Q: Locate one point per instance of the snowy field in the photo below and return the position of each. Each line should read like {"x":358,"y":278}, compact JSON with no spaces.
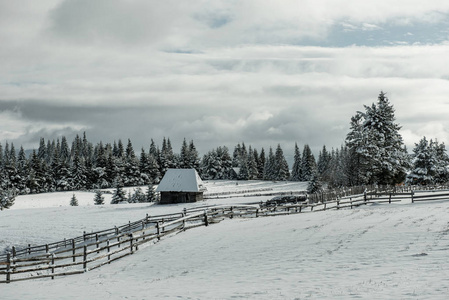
{"x":379,"y":251}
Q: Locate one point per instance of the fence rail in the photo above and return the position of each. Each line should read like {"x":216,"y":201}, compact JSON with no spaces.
{"x":95,"y":249}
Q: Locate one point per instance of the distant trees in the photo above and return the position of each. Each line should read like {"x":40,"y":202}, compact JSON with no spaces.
{"x":373,"y":152}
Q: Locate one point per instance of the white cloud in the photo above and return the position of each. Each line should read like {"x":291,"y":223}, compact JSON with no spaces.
{"x":219,"y":71}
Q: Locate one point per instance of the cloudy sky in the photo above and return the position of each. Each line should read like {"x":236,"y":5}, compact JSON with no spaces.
{"x":220,"y":72}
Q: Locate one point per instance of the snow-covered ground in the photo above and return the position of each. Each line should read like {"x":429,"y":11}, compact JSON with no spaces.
{"x":379,"y":251}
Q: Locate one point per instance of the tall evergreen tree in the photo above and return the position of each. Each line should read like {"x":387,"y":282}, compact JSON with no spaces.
{"x":375,"y":139}
{"x":281,"y":171}
{"x":308,"y":164}
{"x":151,"y":194}
{"x":296,"y":170}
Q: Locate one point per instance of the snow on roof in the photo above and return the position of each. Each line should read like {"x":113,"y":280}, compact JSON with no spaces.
{"x":181,"y":180}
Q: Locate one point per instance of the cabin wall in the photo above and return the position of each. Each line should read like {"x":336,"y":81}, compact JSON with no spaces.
{"x":180,"y":197}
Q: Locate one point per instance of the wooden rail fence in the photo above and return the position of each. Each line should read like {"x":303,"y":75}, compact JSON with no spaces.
{"x":95,"y":249}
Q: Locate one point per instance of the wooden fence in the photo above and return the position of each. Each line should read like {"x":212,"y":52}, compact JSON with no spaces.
{"x":93,"y":250}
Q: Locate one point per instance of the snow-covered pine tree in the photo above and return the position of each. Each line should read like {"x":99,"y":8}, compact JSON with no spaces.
{"x":131,"y":167}
{"x":281,"y":171}
{"x":99,"y":198}
{"x":429,"y":161}
{"x":261,"y":164}
{"x":6,"y":199}
{"x":150,"y":195}
{"x":73,"y":201}
{"x":314,"y":184}
{"x":269,"y":169}
{"x":184,"y":160}
{"x":308,"y":164}
{"x":243,"y":173}
{"x":442,"y":162}
{"x":296,"y":170}
{"x":252,"y":164}
{"x":119,"y":195}
{"x":375,"y":139}
{"x":138,"y":196}
{"x":323,"y":164}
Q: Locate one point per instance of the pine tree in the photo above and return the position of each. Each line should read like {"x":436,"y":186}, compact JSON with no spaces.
{"x":308,"y":164}
{"x":430,"y":162}
{"x":119,"y":195}
{"x":314,"y":185}
{"x":138,"y":196}
{"x":150,"y":194}
{"x":442,"y":162}
{"x":261,"y":164}
{"x":73,"y":201}
{"x":99,"y":198}
{"x":6,"y":199}
{"x":269,"y":169}
{"x":323,"y":164}
{"x":296,"y":170}
{"x":375,"y":140}
{"x":281,"y":171}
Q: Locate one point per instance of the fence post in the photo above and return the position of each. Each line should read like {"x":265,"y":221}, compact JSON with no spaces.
{"x":338,"y":204}
{"x":364,"y":196}
{"x":257,"y":213}
{"x":130,"y":243}
{"x":232,"y":213}
{"x":84,"y":235}
{"x":412,"y":193}
{"x":183,"y":221}
{"x":350,"y":201}
{"x":29,"y":249}
{"x":389,"y":199}
{"x":96,"y":240}
{"x":109,"y":251}
{"x":73,"y":249}
{"x":8,"y":268}
{"x":158,"y":229}
{"x":52,"y":265}
{"x":85,"y":258}
{"x":206,"y":221}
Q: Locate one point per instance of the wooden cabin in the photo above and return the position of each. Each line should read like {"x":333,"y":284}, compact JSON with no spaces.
{"x":181,"y":186}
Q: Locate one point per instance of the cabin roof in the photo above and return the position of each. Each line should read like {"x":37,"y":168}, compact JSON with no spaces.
{"x":181,"y":180}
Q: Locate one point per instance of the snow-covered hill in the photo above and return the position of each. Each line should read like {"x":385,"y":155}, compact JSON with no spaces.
{"x":388,"y":251}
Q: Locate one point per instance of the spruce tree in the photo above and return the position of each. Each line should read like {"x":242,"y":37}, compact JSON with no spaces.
{"x":281,"y":171}
{"x":296,"y":170}
{"x":375,"y":140}
{"x":73,"y":201}
{"x":99,"y":198}
{"x":314,"y":185}
{"x":6,"y":199}
{"x":119,"y":195}
{"x":151,"y":194}
{"x":308,"y":164}
{"x":138,"y":196}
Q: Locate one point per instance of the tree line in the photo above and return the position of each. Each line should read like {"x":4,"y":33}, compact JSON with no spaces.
{"x":373,"y":152}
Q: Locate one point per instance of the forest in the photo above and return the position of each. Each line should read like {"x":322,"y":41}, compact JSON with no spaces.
{"x":373,"y":152}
